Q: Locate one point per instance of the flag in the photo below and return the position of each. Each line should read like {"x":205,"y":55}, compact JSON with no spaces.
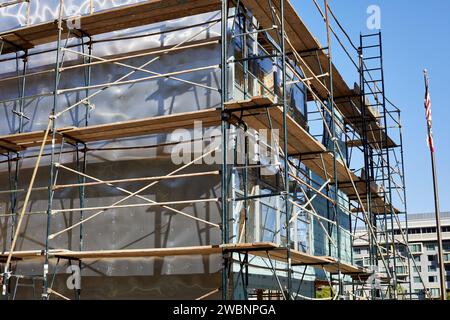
{"x":428,"y":114}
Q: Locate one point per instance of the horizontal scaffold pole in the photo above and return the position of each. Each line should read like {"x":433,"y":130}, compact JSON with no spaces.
{"x":166,"y":203}
{"x":157,"y":178}
{"x":119,"y":83}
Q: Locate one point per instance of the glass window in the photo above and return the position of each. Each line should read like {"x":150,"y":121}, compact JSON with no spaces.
{"x":357,"y":250}
{"x":262,"y":71}
{"x":431,"y":247}
{"x":417,"y":258}
{"x":417,"y":280}
{"x":414,"y":231}
{"x":268,"y":223}
{"x":432,"y":268}
{"x":303,"y":233}
{"x":447,"y":257}
{"x":446,"y":245}
{"x":432,"y":279}
{"x":417,"y":269}
{"x":432,"y":257}
{"x":415,"y":248}
{"x":401,"y":270}
{"x":252,"y":77}
{"x":296,"y":97}
{"x":434,"y":292}
{"x":429,"y":230}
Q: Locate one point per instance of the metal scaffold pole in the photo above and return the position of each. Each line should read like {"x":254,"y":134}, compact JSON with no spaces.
{"x":21,"y":114}
{"x":52,"y":126}
{"x":224,"y":127}
{"x":334,"y":141}
{"x":286,"y":151}
{"x":372,"y":239}
{"x":385,"y":145}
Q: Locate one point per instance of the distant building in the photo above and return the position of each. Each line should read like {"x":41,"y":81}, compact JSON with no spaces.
{"x":424,"y":267}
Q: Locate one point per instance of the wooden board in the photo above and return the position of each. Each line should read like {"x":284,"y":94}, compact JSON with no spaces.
{"x":29,"y":254}
{"x":268,"y":249}
{"x":299,"y":258}
{"x":125,"y":129}
{"x":261,"y":249}
{"x":141,"y":127}
{"x":148,"y":252}
{"x":123,"y":17}
{"x":22,"y":141}
{"x":116,"y":254}
{"x":344,"y":268}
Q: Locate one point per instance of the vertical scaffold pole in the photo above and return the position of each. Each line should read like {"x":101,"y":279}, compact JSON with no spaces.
{"x":82,"y":163}
{"x":389,"y":173}
{"x":21,"y":115}
{"x":45,"y":295}
{"x":373,"y":253}
{"x":22,"y":92}
{"x":334,"y":142}
{"x":286,"y":152}
{"x":224,"y":124}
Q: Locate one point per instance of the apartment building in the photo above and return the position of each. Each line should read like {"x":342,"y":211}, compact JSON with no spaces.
{"x":424,"y":266}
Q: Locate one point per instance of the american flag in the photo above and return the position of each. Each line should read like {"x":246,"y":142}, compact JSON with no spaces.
{"x":428,"y":113}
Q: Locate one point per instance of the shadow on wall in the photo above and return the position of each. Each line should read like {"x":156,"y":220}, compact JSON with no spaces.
{"x":122,"y":228}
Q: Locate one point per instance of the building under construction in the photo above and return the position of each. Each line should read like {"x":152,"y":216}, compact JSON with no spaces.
{"x":194,"y":149}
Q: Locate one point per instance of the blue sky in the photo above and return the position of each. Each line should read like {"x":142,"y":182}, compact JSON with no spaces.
{"x":416,"y":35}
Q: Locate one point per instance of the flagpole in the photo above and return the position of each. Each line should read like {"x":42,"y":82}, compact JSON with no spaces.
{"x":436,"y":199}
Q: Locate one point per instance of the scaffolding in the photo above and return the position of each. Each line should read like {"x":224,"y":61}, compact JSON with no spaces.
{"x":309,"y":167}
